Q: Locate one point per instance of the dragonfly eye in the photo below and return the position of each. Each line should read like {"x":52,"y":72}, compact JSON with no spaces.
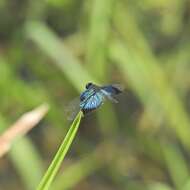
{"x":88,"y":85}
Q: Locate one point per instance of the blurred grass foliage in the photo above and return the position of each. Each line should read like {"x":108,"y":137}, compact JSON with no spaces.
{"x":50,"y":49}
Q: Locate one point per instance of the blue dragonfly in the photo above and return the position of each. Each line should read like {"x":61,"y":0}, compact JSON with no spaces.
{"x":93,"y":97}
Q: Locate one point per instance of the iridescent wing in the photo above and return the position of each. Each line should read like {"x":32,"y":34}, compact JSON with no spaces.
{"x":92,"y":103}
{"x":72,"y":109}
{"x":113,"y":89}
{"x":87,"y":93}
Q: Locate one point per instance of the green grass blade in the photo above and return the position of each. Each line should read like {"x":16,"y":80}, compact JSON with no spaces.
{"x":149,"y":80}
{"x":158,"y":186}
{"x":176,"y":164}
{"x":56,"y":163}
{"x":79,"y":171}
{"x":51,"y":45}
{"x":186,"y":186}
{"x":97,"y":42}
{"x":30,"y":176}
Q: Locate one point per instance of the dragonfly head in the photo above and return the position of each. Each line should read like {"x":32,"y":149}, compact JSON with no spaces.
{"x":88,"y":85}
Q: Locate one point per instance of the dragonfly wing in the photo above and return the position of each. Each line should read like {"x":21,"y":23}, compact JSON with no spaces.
{"x":108,"y":96}
{"x":112,"y":99}
{"x":84,"y":95}
{"x":92,"y":103}
{"x":120,"y":87}
{"x":110,"y":91}
{"x":113,"y":89}
{"x":72,"y":109}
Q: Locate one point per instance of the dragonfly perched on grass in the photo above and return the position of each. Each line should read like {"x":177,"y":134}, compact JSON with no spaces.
{"x":93,"y":97}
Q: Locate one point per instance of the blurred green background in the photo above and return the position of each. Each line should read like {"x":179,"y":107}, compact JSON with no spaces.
{"x":50,"y":49}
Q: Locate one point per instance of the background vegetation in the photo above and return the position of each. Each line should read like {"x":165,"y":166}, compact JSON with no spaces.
{"x":50,"y":49}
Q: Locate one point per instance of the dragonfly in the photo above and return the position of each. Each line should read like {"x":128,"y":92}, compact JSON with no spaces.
{"x":93,"y":97}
